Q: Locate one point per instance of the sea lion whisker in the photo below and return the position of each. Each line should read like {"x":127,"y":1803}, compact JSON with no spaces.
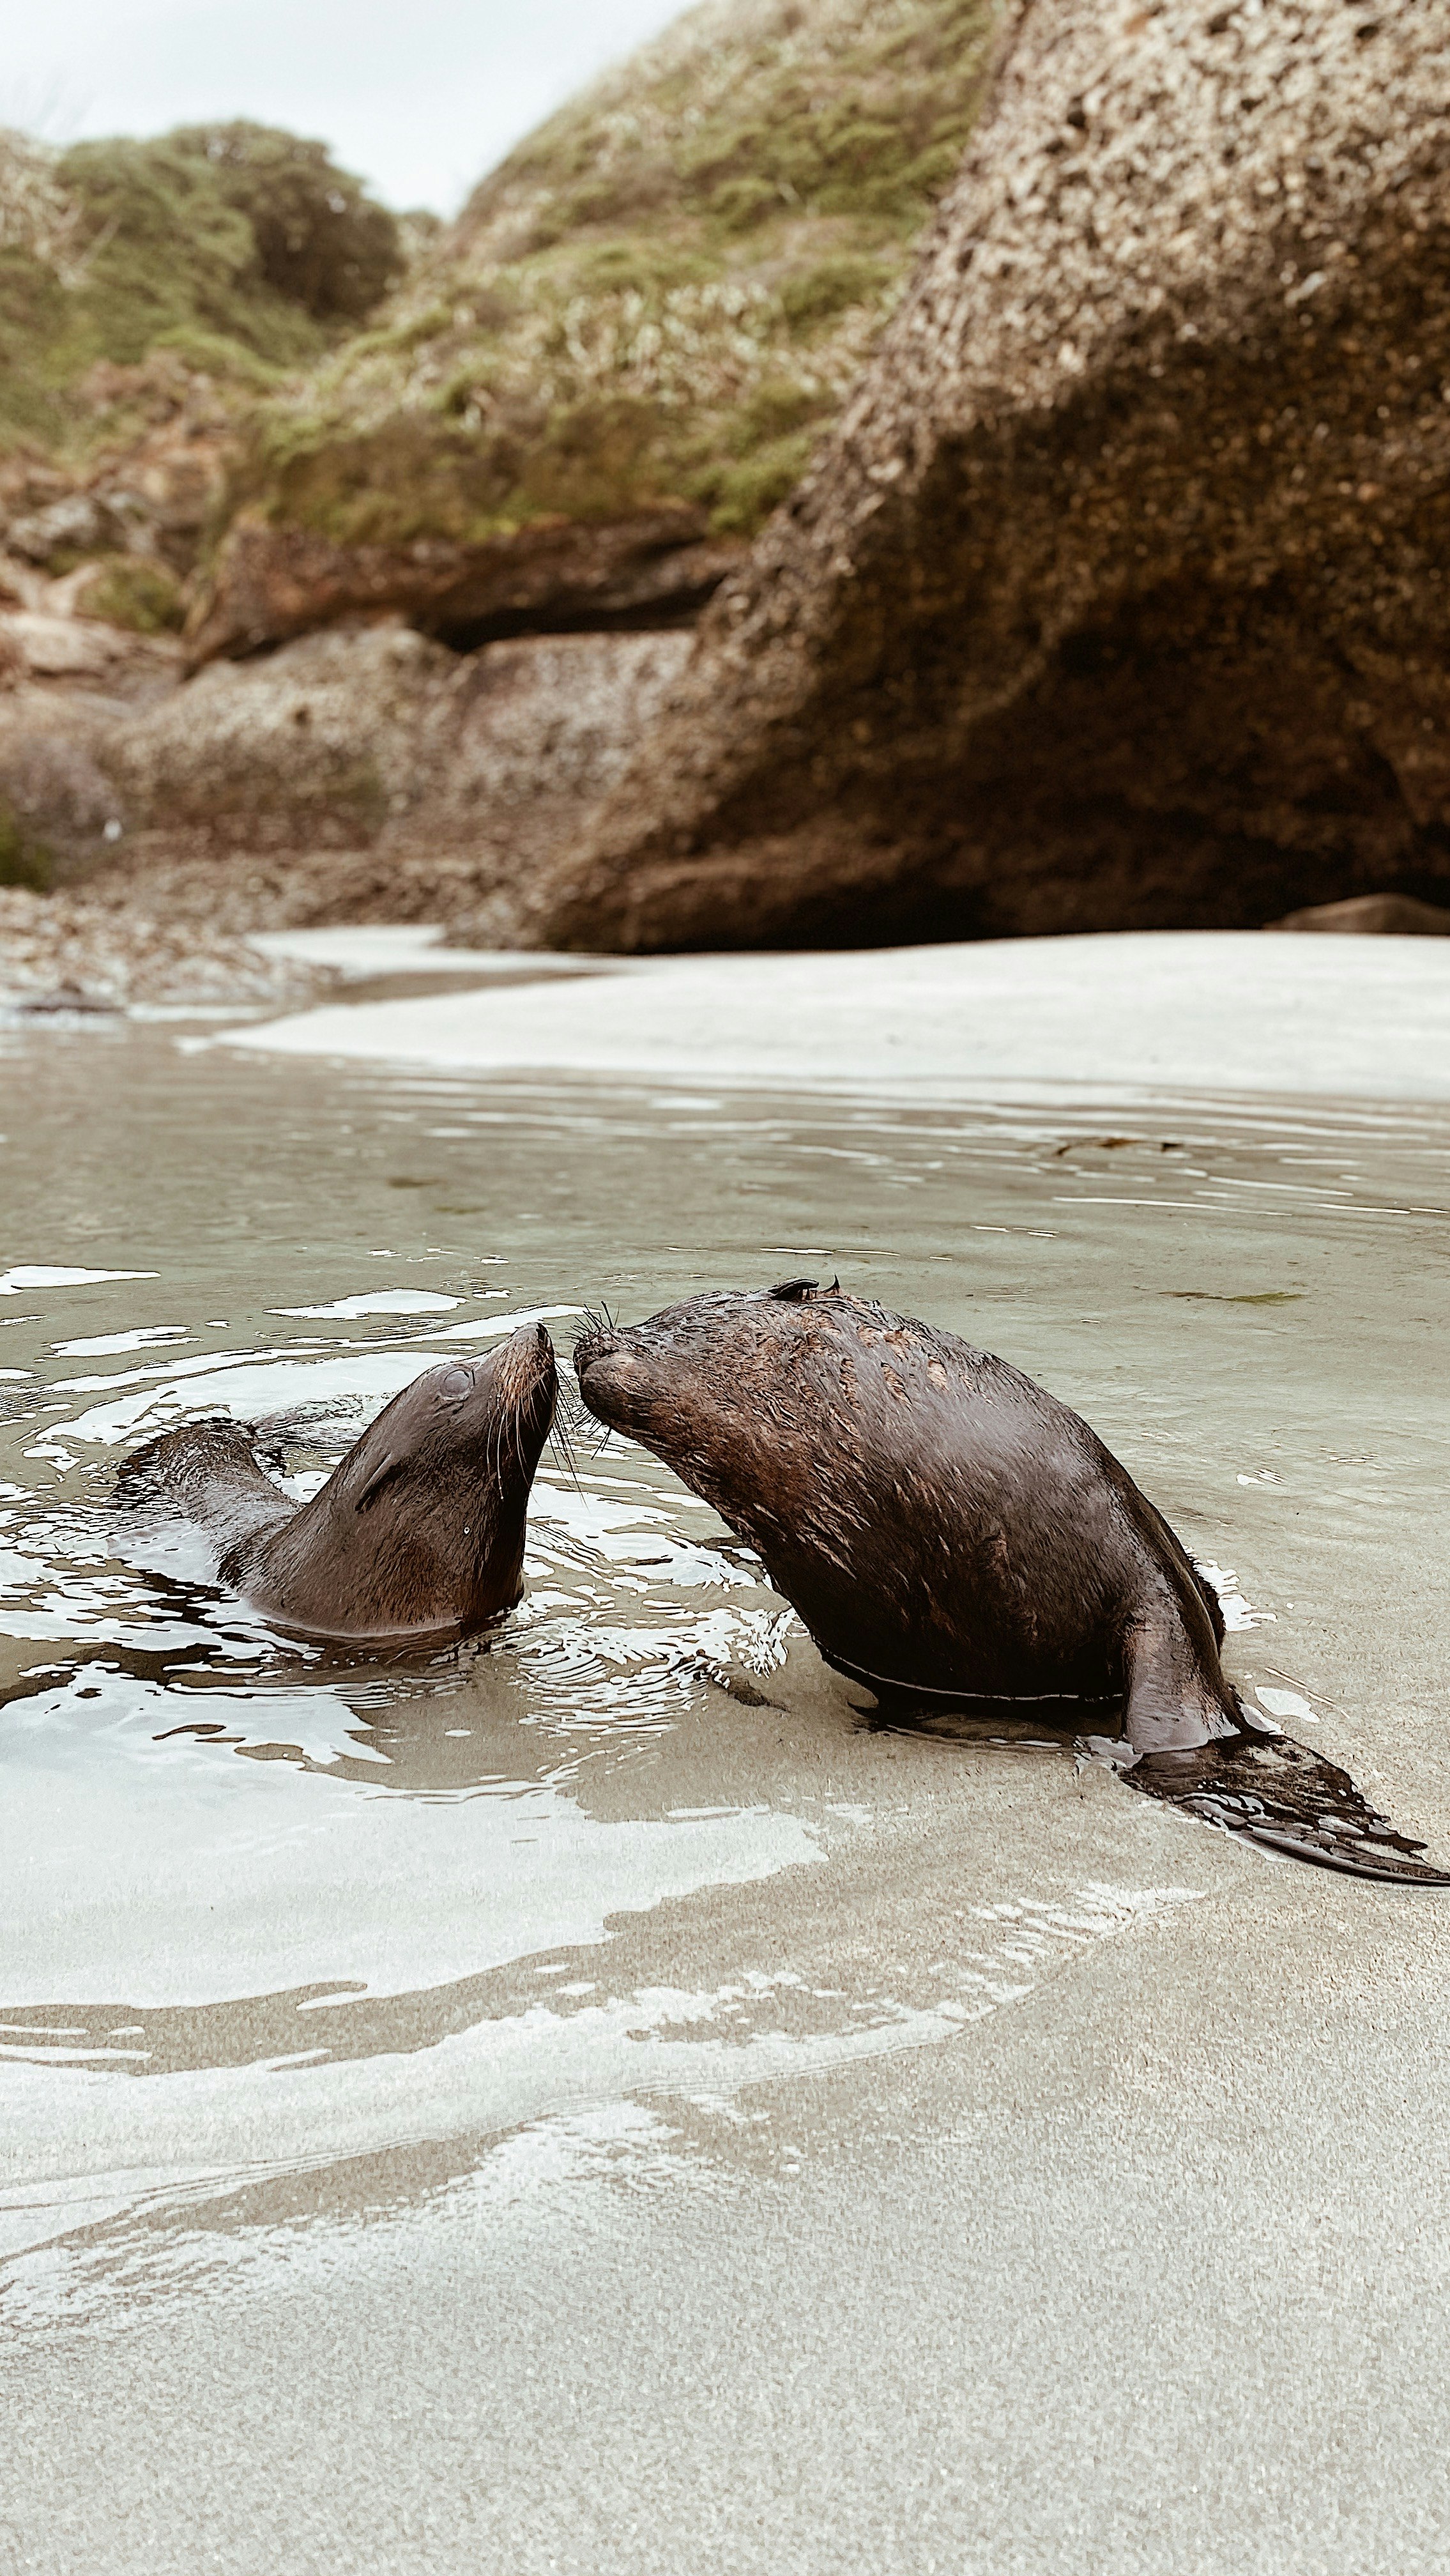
{"x":493,"y":1450}
{"x":571,"y":1414}
{"x":561,"y":1441}
{"x":598,"y":1324}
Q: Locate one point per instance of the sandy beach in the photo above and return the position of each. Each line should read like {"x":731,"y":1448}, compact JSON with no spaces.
{"x":656,"y":661}
{"x":1345,"y":1018}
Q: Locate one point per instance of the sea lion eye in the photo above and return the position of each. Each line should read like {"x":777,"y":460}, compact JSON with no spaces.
{"x":454,"y":1385}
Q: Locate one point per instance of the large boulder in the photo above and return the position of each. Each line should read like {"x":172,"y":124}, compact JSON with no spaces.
{"x":1118,"y":596}
{"x":1378,"y":916}
{"x":362,"y":773}
{"x":351,"y":735}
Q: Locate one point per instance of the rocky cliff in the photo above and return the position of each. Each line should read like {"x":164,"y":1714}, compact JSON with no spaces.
{"x":358,"y":774}
{"x":567,"y":420}
{"x":1118,"y":595}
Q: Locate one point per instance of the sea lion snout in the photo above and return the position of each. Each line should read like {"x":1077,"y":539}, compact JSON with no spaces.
{"x":605,"y":1367}
{"x":525,"y":1370}
{"x":596,"y":1341}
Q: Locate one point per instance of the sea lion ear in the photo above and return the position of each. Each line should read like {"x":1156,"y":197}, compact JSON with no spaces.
{"x":385,"y":1468}
{"x":793,"y":1292}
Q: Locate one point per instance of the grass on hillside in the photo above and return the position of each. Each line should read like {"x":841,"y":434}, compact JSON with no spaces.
{"x":664,"y":292}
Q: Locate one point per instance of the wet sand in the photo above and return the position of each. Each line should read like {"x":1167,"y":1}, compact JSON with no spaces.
{"x":1351,"y":1018}
{"x":603,"y":2107}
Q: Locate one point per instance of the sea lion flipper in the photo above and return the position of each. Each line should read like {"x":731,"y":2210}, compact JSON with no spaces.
{"x":1173,"y":1703}
{"x":1370,"y":1857}
{"x":1287,"y":1798}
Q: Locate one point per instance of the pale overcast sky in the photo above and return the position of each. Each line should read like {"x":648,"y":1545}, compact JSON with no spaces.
{"x":420,"y":97}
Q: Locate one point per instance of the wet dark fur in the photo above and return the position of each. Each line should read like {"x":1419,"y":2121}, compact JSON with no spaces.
{"x":948,"y":1531}
{"x":419,"y":1528}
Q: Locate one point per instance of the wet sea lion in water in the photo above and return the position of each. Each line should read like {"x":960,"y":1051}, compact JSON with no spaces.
{"x":948,"y":1531}
{"x":418,"y":1530}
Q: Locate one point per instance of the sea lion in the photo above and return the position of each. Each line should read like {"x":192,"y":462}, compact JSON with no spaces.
{"x":418,"y":1531}
{"x":949,"y":1531}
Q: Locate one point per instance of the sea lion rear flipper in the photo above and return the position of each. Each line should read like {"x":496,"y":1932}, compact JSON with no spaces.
{"x":1287,"y":1798}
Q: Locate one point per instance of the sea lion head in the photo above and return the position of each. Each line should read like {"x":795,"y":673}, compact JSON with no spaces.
{"x":421,"y":1526}
{"x":714,"y":1386}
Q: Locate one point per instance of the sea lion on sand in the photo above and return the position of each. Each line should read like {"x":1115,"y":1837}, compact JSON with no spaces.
{"x":419,"y":1529}
{"x":948,"y":1531}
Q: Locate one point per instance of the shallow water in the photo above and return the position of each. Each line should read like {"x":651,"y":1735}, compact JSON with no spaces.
{"x":294,"y":1938}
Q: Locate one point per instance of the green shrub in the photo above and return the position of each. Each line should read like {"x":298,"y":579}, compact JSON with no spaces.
{"x":818,"y":294}
{"x":777,"y":406}
{"x":24,"y":861}
{"x":142,"y":596}
{"x":319,"y":240}
{"x":745,"y":492}
{"x":649,"y":267}
{"x":212,"y":354}
{"x":239,"y":248}
{"x":741,"y":203}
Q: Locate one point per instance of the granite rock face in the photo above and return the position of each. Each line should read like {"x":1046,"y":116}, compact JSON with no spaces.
{"x":1118,"y":596}
{"x":362,"y":773}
